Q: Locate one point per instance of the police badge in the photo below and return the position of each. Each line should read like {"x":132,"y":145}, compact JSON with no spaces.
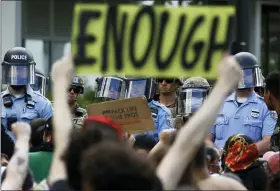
{"x":274,"y":115}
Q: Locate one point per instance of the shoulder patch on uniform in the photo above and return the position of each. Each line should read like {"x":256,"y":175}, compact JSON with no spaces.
{"x":154,"y":110}
{"x":274,"y":115}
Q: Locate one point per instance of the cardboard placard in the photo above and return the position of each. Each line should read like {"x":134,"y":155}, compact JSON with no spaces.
{"x":155,"y":41}
{"x":133,"y":115}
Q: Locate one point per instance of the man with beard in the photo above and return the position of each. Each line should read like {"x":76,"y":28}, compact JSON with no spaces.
{"x":76,"y":88}
{"x":272,"y":100}
{"x":20,"y":102}
{"x":167,"y":91}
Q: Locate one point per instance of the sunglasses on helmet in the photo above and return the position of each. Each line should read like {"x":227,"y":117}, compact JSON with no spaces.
{"x":75,"y":89}
{"x":167,"y":80}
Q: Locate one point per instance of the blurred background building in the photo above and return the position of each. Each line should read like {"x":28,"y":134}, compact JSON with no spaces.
{"x":44,"y":27}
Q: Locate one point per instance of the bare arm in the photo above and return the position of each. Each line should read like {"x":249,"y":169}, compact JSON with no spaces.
{"x":196,"y":130}
{"x":62,"y":121}
{"x":263,"y":145}
{"x":18,"y":165}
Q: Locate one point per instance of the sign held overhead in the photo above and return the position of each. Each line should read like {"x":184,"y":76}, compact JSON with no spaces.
{"x":150,"y":41}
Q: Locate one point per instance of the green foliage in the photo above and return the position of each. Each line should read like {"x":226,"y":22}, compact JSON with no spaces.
{"x":88,"y":98}
{"x":83,"y":100}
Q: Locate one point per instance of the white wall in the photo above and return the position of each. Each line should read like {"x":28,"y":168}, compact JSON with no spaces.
{"x":11,"y":25}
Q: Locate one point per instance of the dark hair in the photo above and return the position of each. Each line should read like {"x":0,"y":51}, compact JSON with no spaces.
{"x":80,"y":140}
{"x":212,"y":152}
{"x":274,"y":182}
{"x":272,"y":84}
{"x":110,"y":166}
{"x":37,"y":131}
{"x":7,"y":144}
{"x":144,"y":141}
{"x":254,"y":177}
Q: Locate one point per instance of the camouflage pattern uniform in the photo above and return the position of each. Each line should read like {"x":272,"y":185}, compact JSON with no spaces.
{"x":193,"y":82}
{"x":275,"y":138}
{"x":78,"y":116}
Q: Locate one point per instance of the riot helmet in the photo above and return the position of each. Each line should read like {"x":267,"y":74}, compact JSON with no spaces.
{"x":18,"y":67}
{"x":137,"y":87}
{"x":41,"y":82}
{"x":111,"y":88}
{"x":191,"y":96}
{"x":252,"y":75}
{"x":77,"y":84}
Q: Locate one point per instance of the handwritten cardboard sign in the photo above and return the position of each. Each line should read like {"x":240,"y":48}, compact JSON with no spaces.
{"x":132,"y":114}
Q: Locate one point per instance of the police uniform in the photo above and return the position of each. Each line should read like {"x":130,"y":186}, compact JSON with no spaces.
{"x":78,"y":116}
{"x":37,"y":107}
{"x":275,"y":138}
{"x":162,"y":118}
{"x":252,"y":118}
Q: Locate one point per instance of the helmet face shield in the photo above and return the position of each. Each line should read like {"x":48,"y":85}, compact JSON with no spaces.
{"x":252,"y":77}
{"x":112,"y":88}
{"x":18,"y":74}
{"x":190,"y":99}
{"x":141,"y":87}
{"x":40,"y":84}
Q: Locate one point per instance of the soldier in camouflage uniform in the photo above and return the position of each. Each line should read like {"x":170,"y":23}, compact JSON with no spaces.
{"x":190,"y":97}
{"x":76,"y":88}
{"x":168,"y":88}
{"x":272,"y":100}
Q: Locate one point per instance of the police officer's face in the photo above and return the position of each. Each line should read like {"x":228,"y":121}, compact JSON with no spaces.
{"x":74,"y":92}
{"x":167,"y":85}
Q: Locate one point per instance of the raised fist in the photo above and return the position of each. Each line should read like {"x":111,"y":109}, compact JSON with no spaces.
{"x":63,"y":68}
{"x":230,"y":72}
{"x":21,"y":129}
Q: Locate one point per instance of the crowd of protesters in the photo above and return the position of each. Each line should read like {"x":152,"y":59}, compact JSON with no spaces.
{"x":58,"y":147}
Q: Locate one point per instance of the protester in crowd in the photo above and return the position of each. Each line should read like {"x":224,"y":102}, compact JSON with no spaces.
{"x":95,"y":129}
{"x":7,"y":144}
{"x":144,"y":144}
{"x":168,"y":88}
{"x":117,"y":168}
{"x":273,"y":162}
{"x":20,"y":102}
{"x":273,"y":183}
{"x":272,"y":100}
{"x":241,"y":158}
{"x":4,"y":159}
{"x":192,"y":134}
{"x":75,"y":89}
{"x":244,"y":111}
{"x":37,"y":133}
{"x":43,"y":157}
{"x":213,"y":159}
{"x":17,"y":168}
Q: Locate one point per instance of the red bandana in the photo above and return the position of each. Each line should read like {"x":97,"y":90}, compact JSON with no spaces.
{"x":240,"y":155}
{"x":105,"y":120}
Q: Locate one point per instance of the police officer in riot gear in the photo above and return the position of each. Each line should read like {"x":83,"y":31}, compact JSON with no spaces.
{"x":190,"y":97}
{"x":244,"y":111}
{"x":116,"y":88}
{"x":78,"y":113}
{"x":20,"y":102}
{"x":162,"y":116}
{"x":40,"y":83}
{"x":111,"y":88}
